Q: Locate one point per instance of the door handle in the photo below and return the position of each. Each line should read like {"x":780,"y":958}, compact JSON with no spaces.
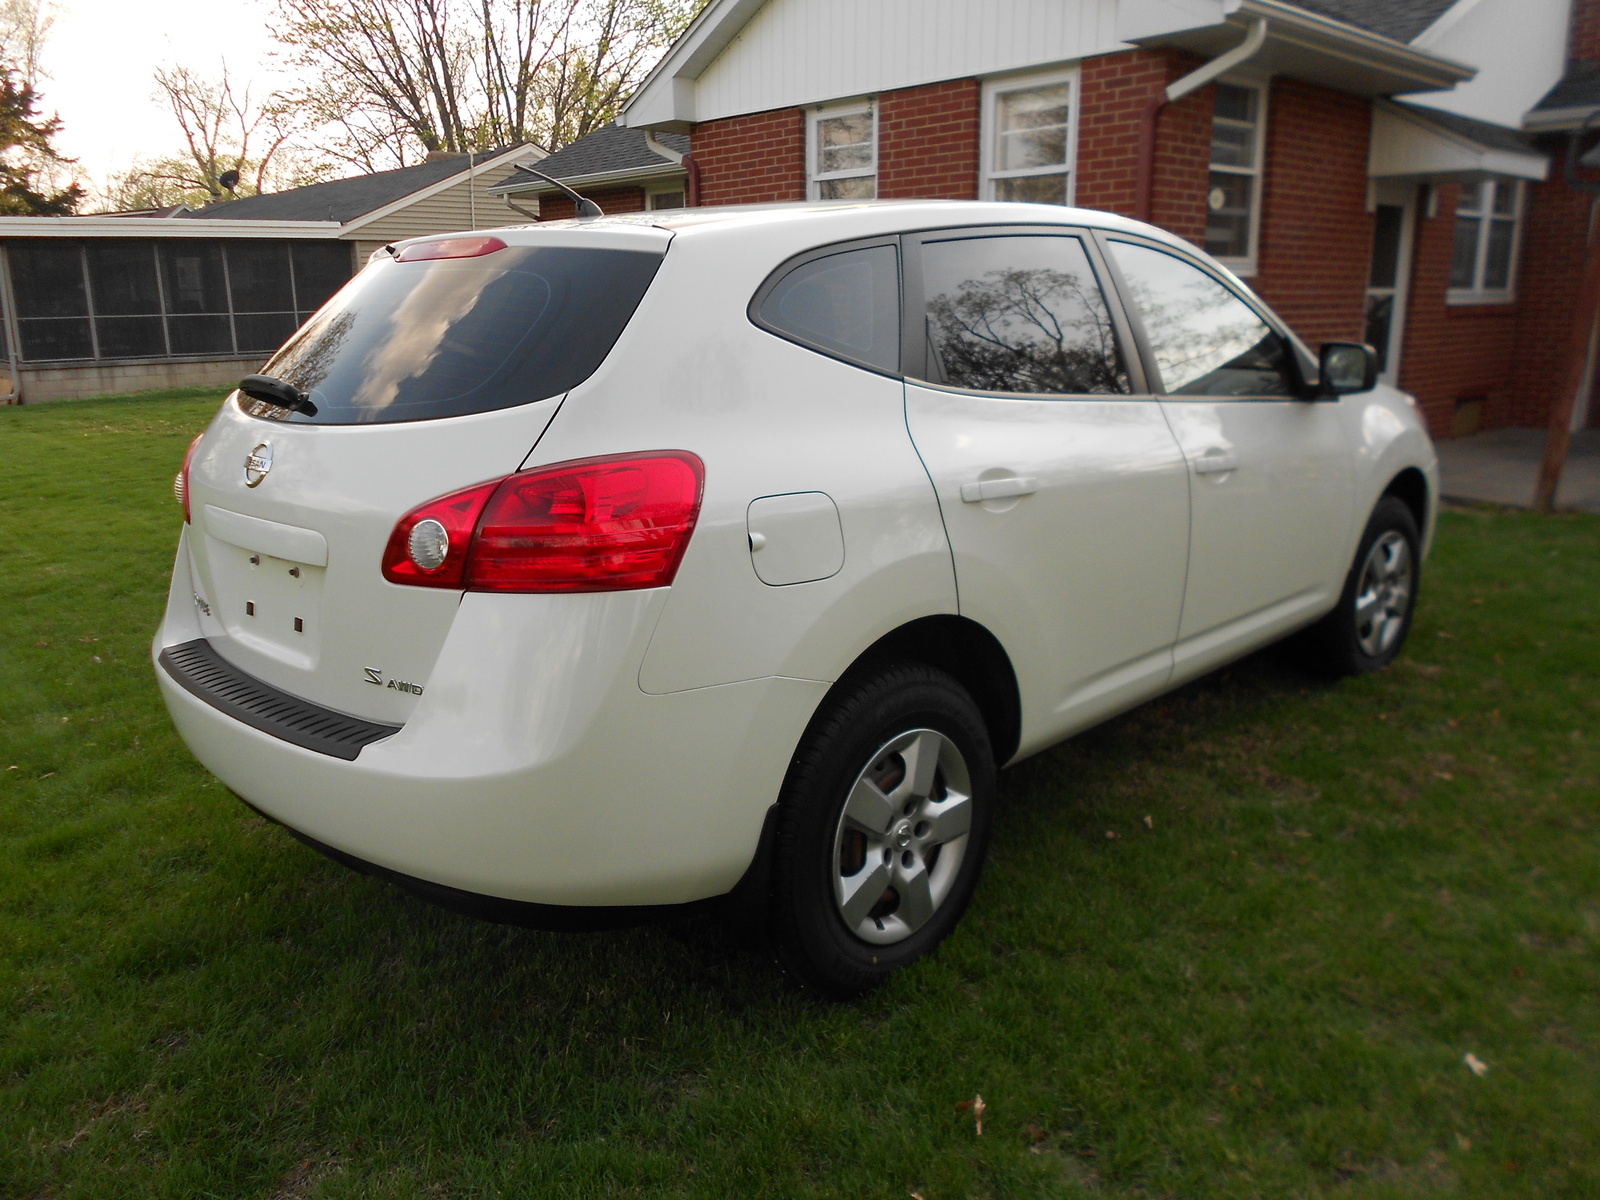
{"x":1214,"y":462}
{"x":998,"y":489}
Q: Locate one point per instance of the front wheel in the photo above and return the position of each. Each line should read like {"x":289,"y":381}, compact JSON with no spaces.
{"x":1367,"y":628}
{"x":883,"y":825}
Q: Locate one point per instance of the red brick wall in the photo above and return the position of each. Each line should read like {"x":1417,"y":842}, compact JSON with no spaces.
{"x":760,"y":157}
{"x":1316,"y":234}
{"x":1452,"y":352}
{"x":1584,"y":41}
{"x":612,"y":200}
{"x":1117,"y":88}
{"x":1553,"y":231}
{"x":928,"y":142}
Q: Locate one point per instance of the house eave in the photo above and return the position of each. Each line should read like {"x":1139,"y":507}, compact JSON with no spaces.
{"x":159,"y":227}
{"x":1406,"y":145}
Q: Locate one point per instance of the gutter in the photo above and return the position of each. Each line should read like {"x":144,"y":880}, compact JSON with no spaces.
{"x":691,"y":196}
{"x":624,"y":175}
{"x":1144,"y":186}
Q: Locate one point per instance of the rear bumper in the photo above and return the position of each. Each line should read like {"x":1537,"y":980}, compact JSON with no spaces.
{"x":533,"y":769}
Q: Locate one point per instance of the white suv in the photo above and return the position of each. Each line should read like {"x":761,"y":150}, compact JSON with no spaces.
{"x":581,"y":569}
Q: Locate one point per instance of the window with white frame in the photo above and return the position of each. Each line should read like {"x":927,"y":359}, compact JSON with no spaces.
{"x":1233,"y":195}
{"x":1030,"y":139}
{"x":1488,"y":228}
{"x":842,"y":152}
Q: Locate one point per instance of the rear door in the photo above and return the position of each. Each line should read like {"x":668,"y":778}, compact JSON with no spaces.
{"x":1270,"y":472}
{"x":1062,"y":489}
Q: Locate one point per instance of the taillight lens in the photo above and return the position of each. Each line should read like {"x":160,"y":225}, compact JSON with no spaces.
{"x":457,"y":515}
{"x":180,"y":485}
{"x":593,"y":525}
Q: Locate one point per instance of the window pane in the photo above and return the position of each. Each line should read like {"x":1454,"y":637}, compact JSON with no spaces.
{"x":1464,"y":256}
{"x":1386,"y":246}
{"x":130,"y":337}
{"x":122,"y":278}
{"x":1019,"y":314}
{"x":258,"y":277}
{"x":191,"y":273}
{"x":1497,"y":263}
{"x":55,"y":337}
{"x":47,"y":278}
{"x":1233,"y":145}
{"x":666,"y":200}
{"x":419,"y":340}
{"x":200,"y":334}
{"x":1207,"y":341}
{"x":847,"y":303}
{"x":1505,"y":197}
{"x":844,"y":143}
{"x":1380,"y":317}
{"x":262,"y":333}
{"x":1032,"y":189}
{"x":862,"y":187}
{"x":1228,"y":214}
{"x":1031,"y":128}
{"x":1470,"y":198}
{"x":320,"y":270}
{"x":1235,"y":103}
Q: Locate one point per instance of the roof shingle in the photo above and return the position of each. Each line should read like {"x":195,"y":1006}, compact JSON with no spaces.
{"x":1401,"y":20}
{"x":611,"y":148}
{"x":340,"y":200}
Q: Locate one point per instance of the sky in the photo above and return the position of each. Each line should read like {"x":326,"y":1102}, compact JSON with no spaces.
{"x":100,"y":55}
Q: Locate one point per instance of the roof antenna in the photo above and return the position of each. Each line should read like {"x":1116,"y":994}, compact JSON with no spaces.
{"x":585,"y":207}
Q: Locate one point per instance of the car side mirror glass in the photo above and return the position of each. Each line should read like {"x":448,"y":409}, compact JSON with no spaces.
{"x":1346,"y":367}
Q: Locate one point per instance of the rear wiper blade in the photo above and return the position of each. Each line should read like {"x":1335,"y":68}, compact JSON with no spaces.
{"x":277,"y":391}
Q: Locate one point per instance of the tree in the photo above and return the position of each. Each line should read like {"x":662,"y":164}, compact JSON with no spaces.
{"x":224,"y":129}
{"x":397,"y":79}
{"x":30,"y":165}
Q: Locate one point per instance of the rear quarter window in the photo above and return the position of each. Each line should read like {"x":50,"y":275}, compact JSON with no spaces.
{"x":412,"y":341}
{"x":845,"y":303}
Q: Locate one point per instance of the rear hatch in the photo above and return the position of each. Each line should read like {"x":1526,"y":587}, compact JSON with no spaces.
{"x":428,"y":375}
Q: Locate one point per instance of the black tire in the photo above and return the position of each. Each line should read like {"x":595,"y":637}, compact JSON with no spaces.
{"x":1341,"y":643}
{"x":850,"y":737}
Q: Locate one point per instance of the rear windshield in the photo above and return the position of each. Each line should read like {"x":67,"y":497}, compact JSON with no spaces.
{"x":442,"y":338}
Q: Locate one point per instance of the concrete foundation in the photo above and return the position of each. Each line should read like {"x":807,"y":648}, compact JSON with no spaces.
{"x":74,"y":381}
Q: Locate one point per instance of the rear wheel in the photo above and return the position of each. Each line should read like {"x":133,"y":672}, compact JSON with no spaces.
{"x":883,"y":825}
{"x":1367,"y":628}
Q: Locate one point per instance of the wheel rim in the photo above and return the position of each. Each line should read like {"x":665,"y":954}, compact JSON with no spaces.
{"x":1383,"y":597}
{"x":901,"y":836}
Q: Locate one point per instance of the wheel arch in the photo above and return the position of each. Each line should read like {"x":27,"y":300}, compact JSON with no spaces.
{"x":1410,"y":487}
{"x":966,"y":650}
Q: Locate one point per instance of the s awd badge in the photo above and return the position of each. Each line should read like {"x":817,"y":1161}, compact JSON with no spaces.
{"x":375,"y":676}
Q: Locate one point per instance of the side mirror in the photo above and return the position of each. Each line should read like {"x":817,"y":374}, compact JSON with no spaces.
{"x":1346,"y":367}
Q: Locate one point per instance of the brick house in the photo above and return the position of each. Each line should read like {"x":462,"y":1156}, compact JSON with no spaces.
{"x":1381,"y":170}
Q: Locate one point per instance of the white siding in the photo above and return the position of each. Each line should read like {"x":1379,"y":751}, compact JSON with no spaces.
{"x":449,"y":210}
{"x":1518,"y":46}
{"x":805,"y":51}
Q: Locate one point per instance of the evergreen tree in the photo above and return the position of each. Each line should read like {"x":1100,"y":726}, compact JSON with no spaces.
{"x":26,"y":150}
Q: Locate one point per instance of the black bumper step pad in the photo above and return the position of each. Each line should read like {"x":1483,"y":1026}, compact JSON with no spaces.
{"x":205,"y":673}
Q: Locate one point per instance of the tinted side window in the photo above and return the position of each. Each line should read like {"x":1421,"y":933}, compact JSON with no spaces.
{"x":1019,"y":314}
{"x":847,"y":304}
{"x":1206,"y":341}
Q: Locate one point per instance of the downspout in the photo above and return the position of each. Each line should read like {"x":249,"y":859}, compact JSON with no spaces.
{"x":514,"y":207}
{"x":1144,"y":186}
{"x":691,"y":195}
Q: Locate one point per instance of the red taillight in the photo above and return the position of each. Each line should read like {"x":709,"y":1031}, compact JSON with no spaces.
{"x":460,"y":247}
{"x":181,"y":483}
{"x":458,"y":514}
{"x":594,"y":525}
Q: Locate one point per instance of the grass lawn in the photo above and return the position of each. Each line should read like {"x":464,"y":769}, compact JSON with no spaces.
{"x":1236,"y":943}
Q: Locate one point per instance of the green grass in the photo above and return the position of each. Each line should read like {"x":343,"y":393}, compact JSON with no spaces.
{"x":1265,"y":989}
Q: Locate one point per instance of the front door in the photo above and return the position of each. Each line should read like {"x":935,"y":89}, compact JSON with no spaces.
{"x":1388,"y":281}
{"x":1270,"y":487}
{"x":1063,"y":492}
